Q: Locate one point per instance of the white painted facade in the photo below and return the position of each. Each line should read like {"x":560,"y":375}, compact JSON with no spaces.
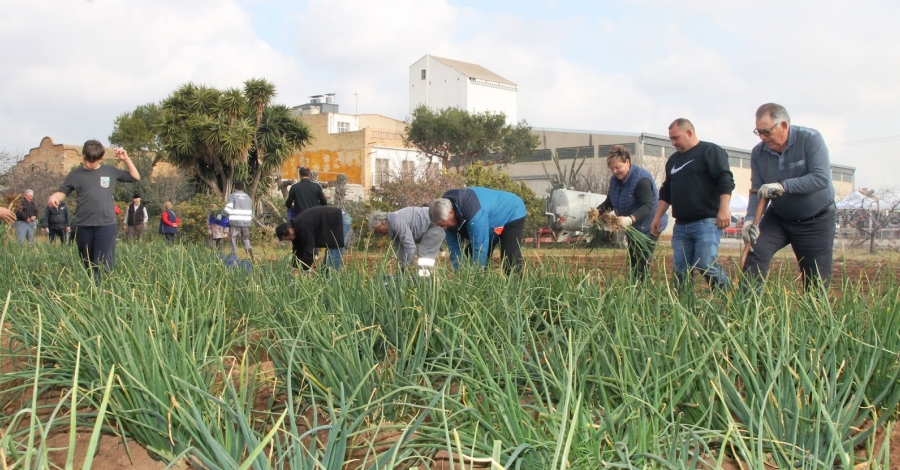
{"x":443,"y":83}
{"x":388,"y":162}
{"x":342,"y":123}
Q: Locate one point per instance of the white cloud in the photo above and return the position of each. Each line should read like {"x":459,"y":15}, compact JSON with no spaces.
{"x":91,"y":61}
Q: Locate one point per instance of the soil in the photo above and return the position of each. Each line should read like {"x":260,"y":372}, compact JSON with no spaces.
{"x":113,"y":453}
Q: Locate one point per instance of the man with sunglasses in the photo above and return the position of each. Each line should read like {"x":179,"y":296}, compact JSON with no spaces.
{"x":791,"y":168}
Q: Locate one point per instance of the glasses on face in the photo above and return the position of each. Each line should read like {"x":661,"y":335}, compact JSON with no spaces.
{"x":765,"y":133}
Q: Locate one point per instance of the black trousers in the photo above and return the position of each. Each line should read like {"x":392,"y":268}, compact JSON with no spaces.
{"x":812,"y":241}
{"x":97,"y":247}
{"x":510,"y":241}
{"x":639,"y":256}
{"x":55,"y":233}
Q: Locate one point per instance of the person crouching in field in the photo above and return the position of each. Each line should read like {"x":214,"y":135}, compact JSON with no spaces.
{"x":317,"y":227}
{"x":410,"y":229}
{"x":96,"y":216}
{"x":482,"y":218}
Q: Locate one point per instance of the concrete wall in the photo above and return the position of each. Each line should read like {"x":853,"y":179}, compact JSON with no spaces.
{"x":485,"y":96}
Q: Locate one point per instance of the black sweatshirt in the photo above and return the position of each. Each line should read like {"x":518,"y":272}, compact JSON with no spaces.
{"x":695,"y":181}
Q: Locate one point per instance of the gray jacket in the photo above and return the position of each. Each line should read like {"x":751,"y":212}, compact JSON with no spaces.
{"x":804,"y":170}
{"x":407,"y":228}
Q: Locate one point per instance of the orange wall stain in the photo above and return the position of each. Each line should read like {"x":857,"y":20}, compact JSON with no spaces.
{"x":329,"y":163}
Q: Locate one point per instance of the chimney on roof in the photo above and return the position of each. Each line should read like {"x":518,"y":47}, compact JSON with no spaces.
{"x":329,"y":98}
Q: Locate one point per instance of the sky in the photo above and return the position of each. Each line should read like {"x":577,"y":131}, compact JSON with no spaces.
{"x":71,"y":66}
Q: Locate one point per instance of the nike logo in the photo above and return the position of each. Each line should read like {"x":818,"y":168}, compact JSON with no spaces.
{"x":676,"y":170}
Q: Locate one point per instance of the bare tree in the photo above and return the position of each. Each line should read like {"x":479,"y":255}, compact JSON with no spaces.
{"x":869,"y":215}
{"x":656,"y":166}
{"x":594,"y":179}
{"x":415,"y":185}
{"x":17,"y":176}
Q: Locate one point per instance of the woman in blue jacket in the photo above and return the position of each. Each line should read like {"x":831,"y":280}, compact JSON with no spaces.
{"x":634,"y":196}
{"x":483,"y":218}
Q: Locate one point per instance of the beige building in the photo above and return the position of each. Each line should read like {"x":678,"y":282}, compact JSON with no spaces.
{"x":61,"y":158}
{"x":56,"y":158}
{"x":367,"y":148}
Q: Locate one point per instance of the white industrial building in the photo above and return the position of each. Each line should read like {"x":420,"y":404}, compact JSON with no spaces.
{"x":441,"y":83}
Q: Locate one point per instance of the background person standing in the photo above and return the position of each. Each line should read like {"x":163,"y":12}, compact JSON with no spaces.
{"x":239,"y":211}
{"x":58,"y":222}
{"x":26,"y":218}
{"x":135,"y":219}
{"x":216,"y":227}
{"x":698,"y":187}
{"x":304,"y":194}
{"x":791,"y":168}
{"x":168,"y":223}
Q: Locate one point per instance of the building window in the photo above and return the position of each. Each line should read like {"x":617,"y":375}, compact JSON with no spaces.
{"x":382,"y":172}
{"x":408,"y":168}
{"x":423,"y":74}
{"x":434,"y":168}
{"x":343,"y":126}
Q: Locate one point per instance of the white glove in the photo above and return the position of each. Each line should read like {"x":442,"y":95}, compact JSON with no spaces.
{"x":425,"y":266}
{"x":771,"y":190}
{"x":624,"y":221}
{"x":750,"y":232}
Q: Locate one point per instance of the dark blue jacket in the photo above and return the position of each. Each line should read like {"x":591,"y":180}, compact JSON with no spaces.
{"x":479,"y":211}
{"x":621,"y":196}
{"x":172,"y":218}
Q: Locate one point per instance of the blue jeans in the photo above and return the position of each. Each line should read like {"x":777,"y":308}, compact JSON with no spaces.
{"x":25,"y":231}
{"x":334,"y":257}
{"x":695,"y":245}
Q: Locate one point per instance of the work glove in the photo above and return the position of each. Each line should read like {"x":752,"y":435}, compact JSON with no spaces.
{"x":750,"y":232}
{"x":425,"y":267}
{"x":624,"y":221}
{"x":771,"y":190}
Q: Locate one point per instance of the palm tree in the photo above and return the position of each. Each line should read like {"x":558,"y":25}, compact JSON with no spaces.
{"x":222,"y":136}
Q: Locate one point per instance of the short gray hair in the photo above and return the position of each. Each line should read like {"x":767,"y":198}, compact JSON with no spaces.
{"x":376,"y":219}
{"x":774,"y":111}
{"x":29,"y":191}
{"x":439,"y":210}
